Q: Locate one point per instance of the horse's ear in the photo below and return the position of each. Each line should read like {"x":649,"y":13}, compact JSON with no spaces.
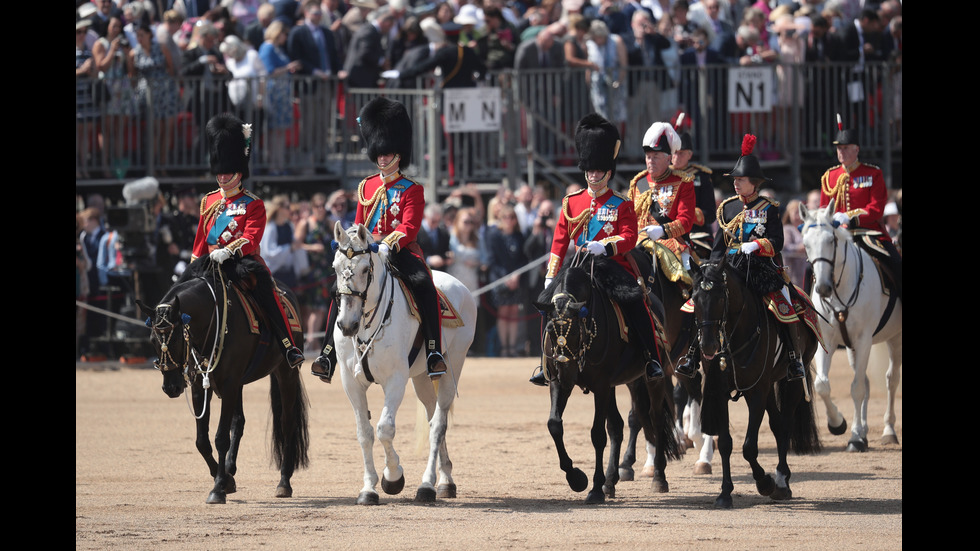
{"x":146,"y":310}
{"x":363,"y":234}
{"x":339,"y":235}
{"x":804,"y":212}
{"x":831,"y":207}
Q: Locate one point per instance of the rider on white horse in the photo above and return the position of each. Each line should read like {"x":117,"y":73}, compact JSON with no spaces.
{"x":391,"y":207}
{"x":604,"y":223}
{"x":750,"y":231}
{"x":860,"y":195}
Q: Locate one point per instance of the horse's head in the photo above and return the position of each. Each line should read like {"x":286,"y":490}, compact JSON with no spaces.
{"x":566,"y":310}
{"x":354,"y":264}
{"x":821,"y":239}
{"x":168,"y":336}
{"x":710,"y":298}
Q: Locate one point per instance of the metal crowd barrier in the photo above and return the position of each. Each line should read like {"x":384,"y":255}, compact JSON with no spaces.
{"x":539,"y":111}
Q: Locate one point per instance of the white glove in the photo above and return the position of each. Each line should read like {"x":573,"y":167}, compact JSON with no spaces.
{"x":384,"y":249}
{"x":393,"y":73}
{"x":547,"y":282}
{"x":842,"y":218}
{"x":596,"y":248}
{"x":654,"y":231}
{"x":220,"y":255}
{"x":750,"y":247}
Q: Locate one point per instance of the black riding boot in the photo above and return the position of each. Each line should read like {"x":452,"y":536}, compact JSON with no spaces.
{"x":428,"y":302}
{"x":641,"y":327}
{"x":538,"y":378}
{"x":265,"y":296}
{"x":790,"y":332}
{"x":688,"y":364}
{"x":324,"y":364}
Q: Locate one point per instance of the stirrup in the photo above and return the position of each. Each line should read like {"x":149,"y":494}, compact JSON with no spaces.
{"x":654,"y":371}
{"x":295,"y":357}
{"x":433,"y":363}
{"x":685,"y":366}
{"x":323,"y":362}
{"x":537,"y":378}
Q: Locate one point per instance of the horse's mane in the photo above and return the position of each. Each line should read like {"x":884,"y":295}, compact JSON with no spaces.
{"x":607,"y":275}
{"x":234,"y":269}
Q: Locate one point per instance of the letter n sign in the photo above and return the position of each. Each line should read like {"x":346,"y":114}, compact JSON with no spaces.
{"x":750,"y":89}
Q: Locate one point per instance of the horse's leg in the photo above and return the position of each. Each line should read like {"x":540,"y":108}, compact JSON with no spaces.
{"x":725,"y":446}
{"x":601,"y":401}
{"x":577,"y":480}
{"x":614,"y":428}
{"x":231,"y":414}
{"x":780,"y":423}
{"x":437,"y":479}
{"x":626,"y":473}
{"x":393,"y":477}
{"x":860,"y":393}
{"x":704,"y":446}
{"x":357,"y":395}
{"x":892,"y":378}
{"x":291,"y":433}
{"x":836,"y":423}
{"x":756,"y":402}
{"x":201,"y":401}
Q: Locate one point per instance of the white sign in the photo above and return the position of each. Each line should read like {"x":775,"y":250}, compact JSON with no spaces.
{"x":471,"y":109}
{"x":750,"y":89}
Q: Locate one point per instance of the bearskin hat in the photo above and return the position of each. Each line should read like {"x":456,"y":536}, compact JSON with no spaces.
{"x":386,"y":128}
{"x":597,"y":144}
{"x":230,"y":144}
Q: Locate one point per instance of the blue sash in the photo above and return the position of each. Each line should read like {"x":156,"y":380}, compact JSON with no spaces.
{"x":753,"y":217}
{"x":225,"y":217}
{"x":393,"y":197}
{"x":601,"y":216}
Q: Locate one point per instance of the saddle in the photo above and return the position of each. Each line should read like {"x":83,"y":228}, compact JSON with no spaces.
{"x":450,"y":317}
{"x":870,"y":241}
{"x":669,"y":262}
{"x":251,"y":309}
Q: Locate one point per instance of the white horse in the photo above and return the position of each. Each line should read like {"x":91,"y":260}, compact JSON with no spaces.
{"x":848,"y":296}
{"x":374,"y":334}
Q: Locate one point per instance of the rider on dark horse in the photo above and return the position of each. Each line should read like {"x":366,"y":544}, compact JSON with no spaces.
{"x":860,"y":195}
{"x":667,"y":211}
{"x":391,"y":207}
{"x":233,"y":220}
{"x":750,"y":234}
{"x":604,"y":223}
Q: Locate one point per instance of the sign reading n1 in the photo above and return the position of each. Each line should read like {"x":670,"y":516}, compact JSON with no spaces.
{"x":750,"y":89}
{"x":471,"y":109}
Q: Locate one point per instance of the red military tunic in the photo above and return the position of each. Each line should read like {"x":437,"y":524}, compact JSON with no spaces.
{"x":236,"y":222}
{"x":392,"y":209}
{"x":859,"y":192}
{"x":670,"y":202}
{"x":609,"y":219}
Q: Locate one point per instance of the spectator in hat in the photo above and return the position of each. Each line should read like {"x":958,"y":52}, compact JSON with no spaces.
{"x":206,"y":74}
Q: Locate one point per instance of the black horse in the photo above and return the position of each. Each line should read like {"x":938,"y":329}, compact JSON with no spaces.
{"x":583,"y":347}
{"x":740,"y":343}
{"x":202,"y":331}
{"x":678,"y":329}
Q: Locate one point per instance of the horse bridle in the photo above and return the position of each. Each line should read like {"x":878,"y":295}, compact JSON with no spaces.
{"x":561,"y":327}
{"x":164,"y":329}
{"x":847,"y":304}
{"x":343,"y":288}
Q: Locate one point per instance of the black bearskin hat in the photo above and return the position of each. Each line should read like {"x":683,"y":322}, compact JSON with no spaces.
{"x":597,"y":144}
{"x":748,"y":164}
{"x":230,"y":143}
{"x":386,"y":128}
{"x":845,"y":136}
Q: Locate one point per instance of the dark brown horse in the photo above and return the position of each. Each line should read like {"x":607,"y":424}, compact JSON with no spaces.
{"x":745,"y":358}
{"x":203,"y":338}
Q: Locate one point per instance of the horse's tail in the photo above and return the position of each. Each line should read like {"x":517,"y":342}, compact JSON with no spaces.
{"x":300,"y":436}
{"x":668,"y":435}
{"x":804,"y":436}
{"x":422,"y":427}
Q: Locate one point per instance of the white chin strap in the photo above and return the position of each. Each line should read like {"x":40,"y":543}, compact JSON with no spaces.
{"x":391,"y":162}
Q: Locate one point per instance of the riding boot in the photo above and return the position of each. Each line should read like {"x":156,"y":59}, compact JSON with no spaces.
{"x":791,"y":333}
{"x":641,"y":325}
{"x":268,"y":298}
{"x":688,"y":364}
{"x":538,"y":378}
{"x":324,"y":364}
{"x":428,"y":301}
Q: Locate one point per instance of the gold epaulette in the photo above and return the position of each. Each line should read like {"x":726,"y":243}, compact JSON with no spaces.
{"x":719,"y":214}
{"x":869,"y":165}
{"x":685,"y":176}
{"x":702,"y":168}
{"x":574,"y":223}
{"x":632,"y":189}
{"x":621,"y":195}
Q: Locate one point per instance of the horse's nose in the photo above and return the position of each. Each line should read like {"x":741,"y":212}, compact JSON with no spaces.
{"x":823,"y":289}
{"x":172,"y":390}
{"x":348,"y":329}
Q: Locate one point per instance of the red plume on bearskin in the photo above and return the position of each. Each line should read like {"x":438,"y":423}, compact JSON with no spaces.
{"x":748,"y":144}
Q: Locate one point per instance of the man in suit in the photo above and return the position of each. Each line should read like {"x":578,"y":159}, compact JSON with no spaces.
{"x":459,"y":65}
{"x":366,"y":52}
{"x":255,"y":31}
{"x":693,"y":60}
{"x":542,"y":51}
{"x":860,"y":43}
{"x":313,"y":46}
{"x":648,"y":75}
{"x":722,"y":32}
{"x":433,"y":238}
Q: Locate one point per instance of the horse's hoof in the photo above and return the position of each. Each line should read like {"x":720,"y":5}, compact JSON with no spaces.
{"x":626,"y":474}
{"x":609,"y":490}
{"x":838,"y":430}
{"x":577,"y":480}
{"x":367,"y":498}
{"x":781,"y":494}
{"x":446,"y":491}
{"x":859,"y":445}
{"x":595,"y":497}
{"x":688,"y":443}
{"x":284,"y":491}
{"x":393,"y":487}
{"x":766,"y":485}
{"x":216,"y":498}
{"x":889,"y":439}
{"x":702,"y":468}
{"x":648,"y":471}
{"x":659,"y":486}
{"x":723,"y":502}
{"x":425,"y":495}
{"x":230,"y":486}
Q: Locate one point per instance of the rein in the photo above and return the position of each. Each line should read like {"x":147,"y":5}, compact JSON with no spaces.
{"x":842,"y":313}
{"x":387,"y":284}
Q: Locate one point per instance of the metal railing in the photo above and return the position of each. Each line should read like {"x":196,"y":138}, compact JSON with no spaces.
{"x":535,"y":143}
